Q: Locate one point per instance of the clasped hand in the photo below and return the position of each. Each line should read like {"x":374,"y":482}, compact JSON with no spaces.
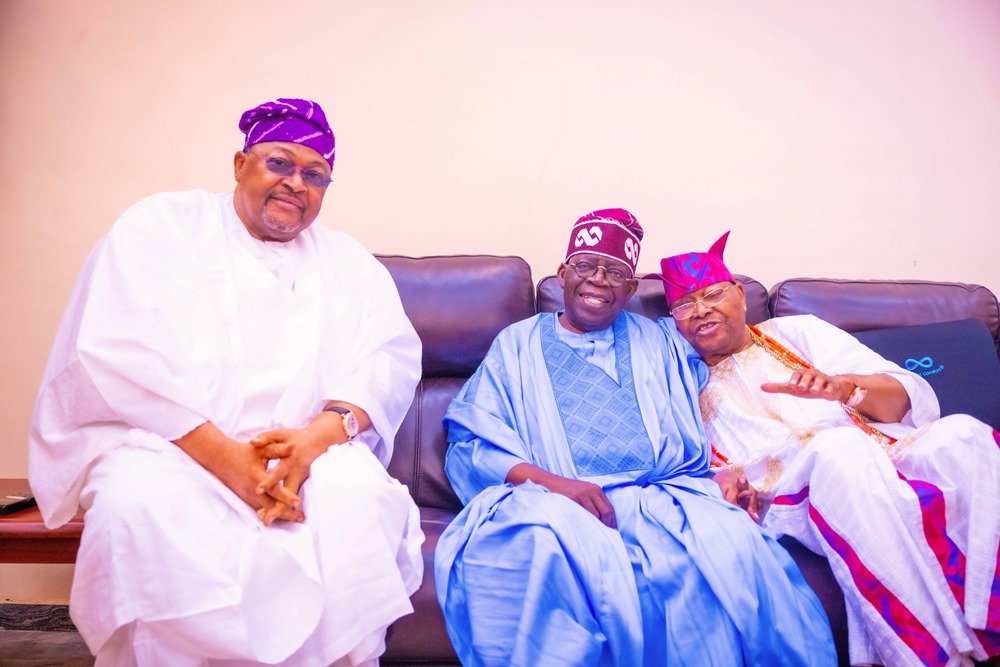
{"x":736,"y":490}
{"x":294,"y":450}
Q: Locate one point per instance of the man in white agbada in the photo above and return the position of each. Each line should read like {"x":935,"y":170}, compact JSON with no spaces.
{"x":208,"y":335}
{"x":902,"y":503}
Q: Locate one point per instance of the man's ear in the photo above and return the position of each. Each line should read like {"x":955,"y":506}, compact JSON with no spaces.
{"x":743,"y":293}
{"x":239,"y":162}
{"x":561,"y":274}
{"x":633,"y":285}
{"x":743,"y":300}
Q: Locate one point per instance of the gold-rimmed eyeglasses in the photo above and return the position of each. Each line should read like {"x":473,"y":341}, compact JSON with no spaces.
{"x":615,"y":276}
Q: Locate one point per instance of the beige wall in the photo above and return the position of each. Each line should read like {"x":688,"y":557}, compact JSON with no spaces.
{"x":837,"y":139}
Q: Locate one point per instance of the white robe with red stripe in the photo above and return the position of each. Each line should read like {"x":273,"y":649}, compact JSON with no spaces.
{"x":911,"y":530}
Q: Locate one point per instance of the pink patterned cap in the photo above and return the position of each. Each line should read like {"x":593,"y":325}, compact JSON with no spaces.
{"x":608,"y":232}
{"x":683,"y":274}
{"x":285,"y":119}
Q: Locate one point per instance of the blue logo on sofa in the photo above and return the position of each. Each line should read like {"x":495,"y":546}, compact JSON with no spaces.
{"x":926,"y":362}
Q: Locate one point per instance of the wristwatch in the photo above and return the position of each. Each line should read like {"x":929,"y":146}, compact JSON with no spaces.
{"x":350,"y":421}
{"x":858,"y":395}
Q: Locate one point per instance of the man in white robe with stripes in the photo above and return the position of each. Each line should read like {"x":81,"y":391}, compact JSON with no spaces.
{"x":222,"y":399}
{"x":845,"y":451}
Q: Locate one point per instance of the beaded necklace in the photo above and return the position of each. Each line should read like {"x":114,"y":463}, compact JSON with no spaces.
{"x":791,"y":360}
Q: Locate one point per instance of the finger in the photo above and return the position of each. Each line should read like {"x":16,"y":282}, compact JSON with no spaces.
{"x":786,"y":388}
{"x":746,"y":505}
{"x":730,"y":494}
{"x":285,"y":495}
{"x":290,"y":485}
{"x":274,"y":450}
{"x":280,"y":511}
{"x":272,"y":478}
{"x":600,"y":508}
{"x":830,"y":392}
{"x":275,"y":485}
{"x":607,"y":511}
{"x":294,"y":482}
{"x":821,"y":384}
{"x":748,"y":501}
{"x":266,"y":504}
{"x":266,"y":438}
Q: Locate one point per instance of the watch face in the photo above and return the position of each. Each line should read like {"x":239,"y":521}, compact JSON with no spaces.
{"x":349,"y":419}
{"x":856,"y":397}
{"x":350,"y":424}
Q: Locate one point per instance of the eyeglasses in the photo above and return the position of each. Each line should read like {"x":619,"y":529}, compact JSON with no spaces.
{"x":287,"y":169}
{"x":615,"y":276}
{"x":714,"y":298}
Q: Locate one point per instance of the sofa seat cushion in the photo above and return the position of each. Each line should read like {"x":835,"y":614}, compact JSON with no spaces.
{"x":421,"y":638}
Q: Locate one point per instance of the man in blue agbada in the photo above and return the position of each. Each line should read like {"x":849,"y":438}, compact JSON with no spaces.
{"x":592,"y":532}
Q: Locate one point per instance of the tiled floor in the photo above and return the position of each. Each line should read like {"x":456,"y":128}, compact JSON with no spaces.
{"x":40,"y":636}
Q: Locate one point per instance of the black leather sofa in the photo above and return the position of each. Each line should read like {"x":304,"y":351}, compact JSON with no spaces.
{"x":459,"y":303}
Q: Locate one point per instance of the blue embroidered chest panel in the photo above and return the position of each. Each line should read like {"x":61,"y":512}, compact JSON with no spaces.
{"x":600,"y":417}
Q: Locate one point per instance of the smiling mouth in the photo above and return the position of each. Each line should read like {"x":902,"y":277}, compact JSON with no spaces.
{"x":287,"y":203}
{"x":595,"y":300}
{"x":707,"y":327}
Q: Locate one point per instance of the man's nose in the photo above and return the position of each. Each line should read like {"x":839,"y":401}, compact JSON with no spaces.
{"x":700,"y":308}
{"x":294,"y":180}
{"x":600,"y":275}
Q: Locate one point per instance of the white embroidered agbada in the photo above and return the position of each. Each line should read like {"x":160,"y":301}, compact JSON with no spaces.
{"x":911,"y":531}
{"x":181,"y":317}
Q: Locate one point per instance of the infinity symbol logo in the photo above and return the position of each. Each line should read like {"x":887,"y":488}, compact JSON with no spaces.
{"x":591,"y":237}
{"x":914,"y":364}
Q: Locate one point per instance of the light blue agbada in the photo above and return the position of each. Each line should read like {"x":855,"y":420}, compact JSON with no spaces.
{"x":528,"y":577}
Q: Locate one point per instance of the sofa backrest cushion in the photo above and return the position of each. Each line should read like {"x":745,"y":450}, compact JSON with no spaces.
{"x":649,"y":299}
{"x":459,"y":303}
{"x":861,"y":305}
{"x":957,"y":358}
{"x":421,"y":444}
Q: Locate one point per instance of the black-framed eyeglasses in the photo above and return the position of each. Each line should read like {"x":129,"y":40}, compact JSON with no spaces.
{"x":685,"y":310}
{"x":286,"y":169}
{"x":615,"y":276}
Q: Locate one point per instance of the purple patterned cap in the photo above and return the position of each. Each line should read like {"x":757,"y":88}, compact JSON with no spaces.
{"x":683,"y":274}
{"x":284,"y":119}
{"x":609,"y":232}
